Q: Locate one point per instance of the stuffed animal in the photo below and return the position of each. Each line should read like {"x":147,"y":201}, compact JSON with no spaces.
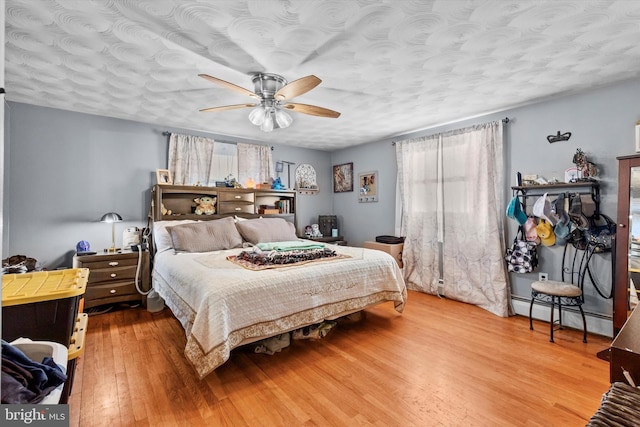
{"x":205,"y":205}
{"x":278,"y":185}
{"x":164,"y":210}
{"x":315,"y":230}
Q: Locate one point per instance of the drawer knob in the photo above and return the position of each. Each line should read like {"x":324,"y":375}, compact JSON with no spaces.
{"x":112,"y":291}
{"x":113,"y":274}
{"x":237,"y":197}
{"x":238,"y":209}
{"x":113,"y":263}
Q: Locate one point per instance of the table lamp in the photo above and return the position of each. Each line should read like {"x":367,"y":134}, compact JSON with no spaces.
{"x":112,"y":217}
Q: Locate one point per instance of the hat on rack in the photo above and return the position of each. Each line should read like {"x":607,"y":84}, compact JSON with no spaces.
{"x":530,"y":230}
{"x":561,"y":229}
{"x":545,"y":232}
{"x":588,"y":205}
{"x":542,"y":209}
{"x":514,"y":211}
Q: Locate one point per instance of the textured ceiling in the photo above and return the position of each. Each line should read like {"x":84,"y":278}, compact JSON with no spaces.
{"x":390,"y":67}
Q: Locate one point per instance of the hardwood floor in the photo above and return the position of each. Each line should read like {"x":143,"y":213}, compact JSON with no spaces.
{"x":440,"y":363}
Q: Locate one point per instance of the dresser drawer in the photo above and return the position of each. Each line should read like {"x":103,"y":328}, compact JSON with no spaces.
{"x":236,"y":197}
{"x":112,"y":274}
{"x":108,"y":263}
{"x":235,"y":207}
{"x":108,"y":290}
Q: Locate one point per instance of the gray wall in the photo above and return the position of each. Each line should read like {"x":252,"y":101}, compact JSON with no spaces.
{"x":66,"y":169}
{"x":602,"y":124}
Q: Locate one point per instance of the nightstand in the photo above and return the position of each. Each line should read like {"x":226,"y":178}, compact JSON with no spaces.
{"x":112,"y":277}
{"x":338,"y":240}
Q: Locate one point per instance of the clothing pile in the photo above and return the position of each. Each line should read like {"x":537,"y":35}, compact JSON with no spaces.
{"x":285,"y":257}
{"x":317,"y":331}
{"x":27,"y":381}
{"x":17,"y":264}
{"x":275,"y":344}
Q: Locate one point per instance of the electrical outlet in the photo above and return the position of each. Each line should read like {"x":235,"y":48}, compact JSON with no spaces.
{"x":543,"y":277}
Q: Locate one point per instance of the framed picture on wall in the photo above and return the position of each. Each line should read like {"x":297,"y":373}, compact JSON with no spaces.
{"x":368,"y":187}
{"x":164,"y":176}
{"x":343,"y":178}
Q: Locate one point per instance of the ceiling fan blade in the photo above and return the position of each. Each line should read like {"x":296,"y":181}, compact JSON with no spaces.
{"x":229,"y":85}
{"x":297,"y":87}
{"x":312,"y":110}
{"x":227,"y":107}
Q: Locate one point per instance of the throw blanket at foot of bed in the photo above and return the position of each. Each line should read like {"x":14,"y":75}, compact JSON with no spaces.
{"x":260,"y":260}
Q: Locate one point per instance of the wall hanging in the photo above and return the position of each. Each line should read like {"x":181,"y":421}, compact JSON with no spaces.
{"x":559,"y":137}
{"x":368,"y":184}
{"x":343,"y":177}
{"x":306,"y":179}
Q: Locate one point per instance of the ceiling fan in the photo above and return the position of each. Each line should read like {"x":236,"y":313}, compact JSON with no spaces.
{"x":272,"y":93}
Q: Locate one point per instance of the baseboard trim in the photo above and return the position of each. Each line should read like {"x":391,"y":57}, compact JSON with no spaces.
{"x":595,"y":324}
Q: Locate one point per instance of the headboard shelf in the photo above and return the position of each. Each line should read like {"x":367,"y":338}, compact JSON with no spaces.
{"x":241,"y":202}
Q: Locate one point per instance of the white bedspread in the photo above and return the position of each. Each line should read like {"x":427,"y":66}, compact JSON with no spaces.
{"x":222,"y":305}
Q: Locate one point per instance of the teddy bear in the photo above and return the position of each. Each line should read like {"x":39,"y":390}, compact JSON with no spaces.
{"x":164,"y":210}
{"x":205,"y":205}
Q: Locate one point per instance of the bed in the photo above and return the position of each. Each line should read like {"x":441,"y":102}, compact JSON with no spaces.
{"x":222,"y":304}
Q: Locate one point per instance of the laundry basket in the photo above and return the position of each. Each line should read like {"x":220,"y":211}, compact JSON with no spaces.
{"x":38,"y":350}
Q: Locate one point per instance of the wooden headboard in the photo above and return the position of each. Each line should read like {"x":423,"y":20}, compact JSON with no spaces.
{"x":178,"y":202}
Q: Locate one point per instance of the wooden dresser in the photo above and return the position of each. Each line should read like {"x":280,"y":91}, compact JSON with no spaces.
{"x":112,"y":277}
{"x":625,"y":351}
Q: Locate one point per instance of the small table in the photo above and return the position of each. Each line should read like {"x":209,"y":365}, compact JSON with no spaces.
{"x":338,"y":240}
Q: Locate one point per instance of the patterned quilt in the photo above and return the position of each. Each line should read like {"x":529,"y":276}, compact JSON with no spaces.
{"x":222,"y":305}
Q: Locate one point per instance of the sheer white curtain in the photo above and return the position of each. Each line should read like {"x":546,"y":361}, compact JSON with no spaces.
{"x":451,"y":190}
{"x":419,"y":190}
{"x":255,"y":162}
{"x":195,"y":159}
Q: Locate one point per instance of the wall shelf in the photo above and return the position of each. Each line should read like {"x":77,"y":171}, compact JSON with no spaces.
{"x":581,"y":187}
{"x":244,"y":202}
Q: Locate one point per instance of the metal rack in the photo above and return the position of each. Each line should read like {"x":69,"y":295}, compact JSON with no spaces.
{"x":581,"y":187}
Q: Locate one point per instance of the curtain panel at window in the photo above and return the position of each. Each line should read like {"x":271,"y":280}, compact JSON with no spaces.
{"x":451,"y":192}
{"x":255,"y":162}
{"x":195,"y":159}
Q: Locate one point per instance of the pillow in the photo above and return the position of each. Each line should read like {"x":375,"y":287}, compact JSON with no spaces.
{"x":161,"y":235}
{"x":264,"y":230}
{"x":237,"y":218}
{"x":206,"y":236}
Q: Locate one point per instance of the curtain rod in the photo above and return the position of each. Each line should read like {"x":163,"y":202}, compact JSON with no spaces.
{"x":167,"y":133}
{"x":506,"y":120}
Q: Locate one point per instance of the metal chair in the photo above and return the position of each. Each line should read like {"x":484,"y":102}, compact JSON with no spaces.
{"x":557,"y":294}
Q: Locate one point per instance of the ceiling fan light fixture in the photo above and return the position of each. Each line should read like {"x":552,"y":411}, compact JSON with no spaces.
{"x":267,"y":125}
{"x":257,"y":115}
{"x":283,"y":119}
{"x":273,"y":90}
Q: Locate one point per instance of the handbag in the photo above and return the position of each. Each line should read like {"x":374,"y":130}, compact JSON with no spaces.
{"x":522,"y":255}
{"x":600,"y":232}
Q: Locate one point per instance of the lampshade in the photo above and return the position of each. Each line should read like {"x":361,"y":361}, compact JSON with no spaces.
{"x":270,"y":116}
{"x":283,"y":119}
{"x":112,"y":217}
{"x":267,"y":125}
{"x":257,"y":115}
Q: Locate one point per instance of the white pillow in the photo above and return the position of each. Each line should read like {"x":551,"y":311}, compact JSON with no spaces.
{"x":161,"y":235}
